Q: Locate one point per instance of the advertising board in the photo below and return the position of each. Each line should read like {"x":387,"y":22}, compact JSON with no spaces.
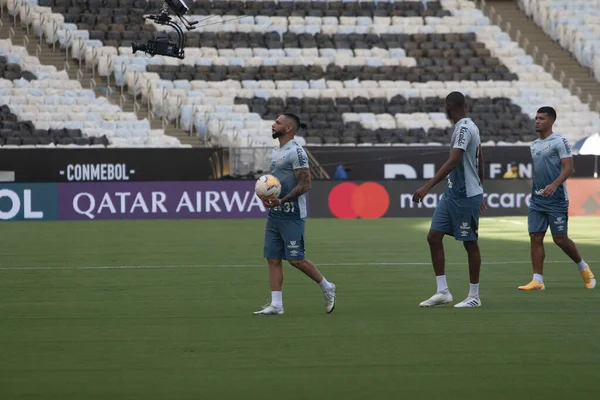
{"x":113,"y":165}
{"x":92,"y":201}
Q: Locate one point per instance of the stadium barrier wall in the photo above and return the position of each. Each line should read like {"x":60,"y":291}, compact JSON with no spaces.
{"x":384,"y":199}
{"x":93,"y":201}
{"x":421,"y":162}
{"x":130,"y":200}
{"x":113,"y":165}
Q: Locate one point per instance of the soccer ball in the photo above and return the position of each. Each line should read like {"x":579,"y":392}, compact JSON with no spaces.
{"x":267,"y":186}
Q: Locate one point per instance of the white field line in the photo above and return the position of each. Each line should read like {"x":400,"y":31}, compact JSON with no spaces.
{"x":350,"y":264}
{"x":506,"y":221}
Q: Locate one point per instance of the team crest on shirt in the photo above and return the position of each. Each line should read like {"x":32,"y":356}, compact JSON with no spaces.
{"x":280,"y":160}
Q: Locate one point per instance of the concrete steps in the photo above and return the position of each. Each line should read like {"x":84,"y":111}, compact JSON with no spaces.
{"x":559,"y":62}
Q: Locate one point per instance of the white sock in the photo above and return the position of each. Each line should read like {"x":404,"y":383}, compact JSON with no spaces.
{"x":325,"y":285}
{"x":538,"y":278}
{"x":474,"y":290}
{"x":581,"y":265}
{"x":277,"y":299}
{"x":441,"y":283}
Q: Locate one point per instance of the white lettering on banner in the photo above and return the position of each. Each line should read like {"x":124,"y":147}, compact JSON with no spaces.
{"x":428,"y":171}
{"x":130,"y":202}
{"x":78,"y":210}
{"x":97,"y":172}
{"x":139,"y":203}
{"x":123,"y":195}
{"x":493,"y":200}
{"x":158,"y":198}
{"x":106,"y":203}
{"x":406,"y":200}
{"x":256,"y":202}
{"x":199,"y":202}
{"x":495,"y":170}
{"x":507,"y":200}
{"x":185,"y":202}
{"x":526,"y":170}
{"x":15,"y":207}
{"x":28,"y":212}
{"x":211,"y":201}
{"x":391,"y":171}
{"x":234,"y":199}
{"x":523,"y":196}
{"x":95,"y":175}
{"x":429,"y":201}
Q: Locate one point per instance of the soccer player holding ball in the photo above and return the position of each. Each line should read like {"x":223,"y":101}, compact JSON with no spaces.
{"x":549,"y":205}
{"x":284,"y":236}
{"x":457,"y":213}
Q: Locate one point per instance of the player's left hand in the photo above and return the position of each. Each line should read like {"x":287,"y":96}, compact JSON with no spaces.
{"x":549,"y":190}
{"x":420,"y":194}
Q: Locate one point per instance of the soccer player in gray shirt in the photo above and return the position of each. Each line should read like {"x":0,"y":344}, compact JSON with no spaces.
{"x":284,"y":235}
{"x":457,"y":213}
{"x":549,"y":205}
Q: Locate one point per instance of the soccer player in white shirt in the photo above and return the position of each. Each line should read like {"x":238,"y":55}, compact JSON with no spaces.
{"x":457,"y":213}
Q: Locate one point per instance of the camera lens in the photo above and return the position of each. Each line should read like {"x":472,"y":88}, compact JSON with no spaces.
{"x":136,"y":47}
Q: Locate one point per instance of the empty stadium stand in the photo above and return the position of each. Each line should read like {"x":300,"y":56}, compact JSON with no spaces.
{"x":41,"y":107}
{"x":360,"y":72}
{"x":556,"y":60}
{"x":17,"y":132}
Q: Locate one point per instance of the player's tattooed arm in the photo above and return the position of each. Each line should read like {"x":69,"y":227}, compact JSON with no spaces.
{"x":303,"y":186}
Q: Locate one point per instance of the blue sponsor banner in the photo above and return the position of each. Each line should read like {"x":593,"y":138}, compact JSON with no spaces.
{"x":28,"y":202}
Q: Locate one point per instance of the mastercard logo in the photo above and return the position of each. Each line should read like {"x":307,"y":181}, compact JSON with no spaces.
{"x":369,"y":200}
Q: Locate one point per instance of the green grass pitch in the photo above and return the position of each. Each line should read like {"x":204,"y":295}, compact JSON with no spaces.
{"x":175,"y":322}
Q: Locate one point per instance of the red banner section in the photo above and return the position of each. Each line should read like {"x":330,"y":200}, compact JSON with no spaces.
{"x":584,"y":197}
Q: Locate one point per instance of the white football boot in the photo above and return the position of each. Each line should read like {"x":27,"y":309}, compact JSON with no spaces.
{"x":329,"y":295}
{"x":469,"y":302}
{"x":270,"y":310}
{"x":439,"y":299}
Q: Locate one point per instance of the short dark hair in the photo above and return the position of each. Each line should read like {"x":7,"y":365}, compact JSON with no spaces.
{"x":548,"y":110}
{"x":296,"y":119}
{"x":455,"y":100}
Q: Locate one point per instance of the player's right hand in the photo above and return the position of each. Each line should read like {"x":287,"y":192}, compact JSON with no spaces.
{"x":270,"y":202}
{"x":420,"y":194}
{"x":482,"y":208}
